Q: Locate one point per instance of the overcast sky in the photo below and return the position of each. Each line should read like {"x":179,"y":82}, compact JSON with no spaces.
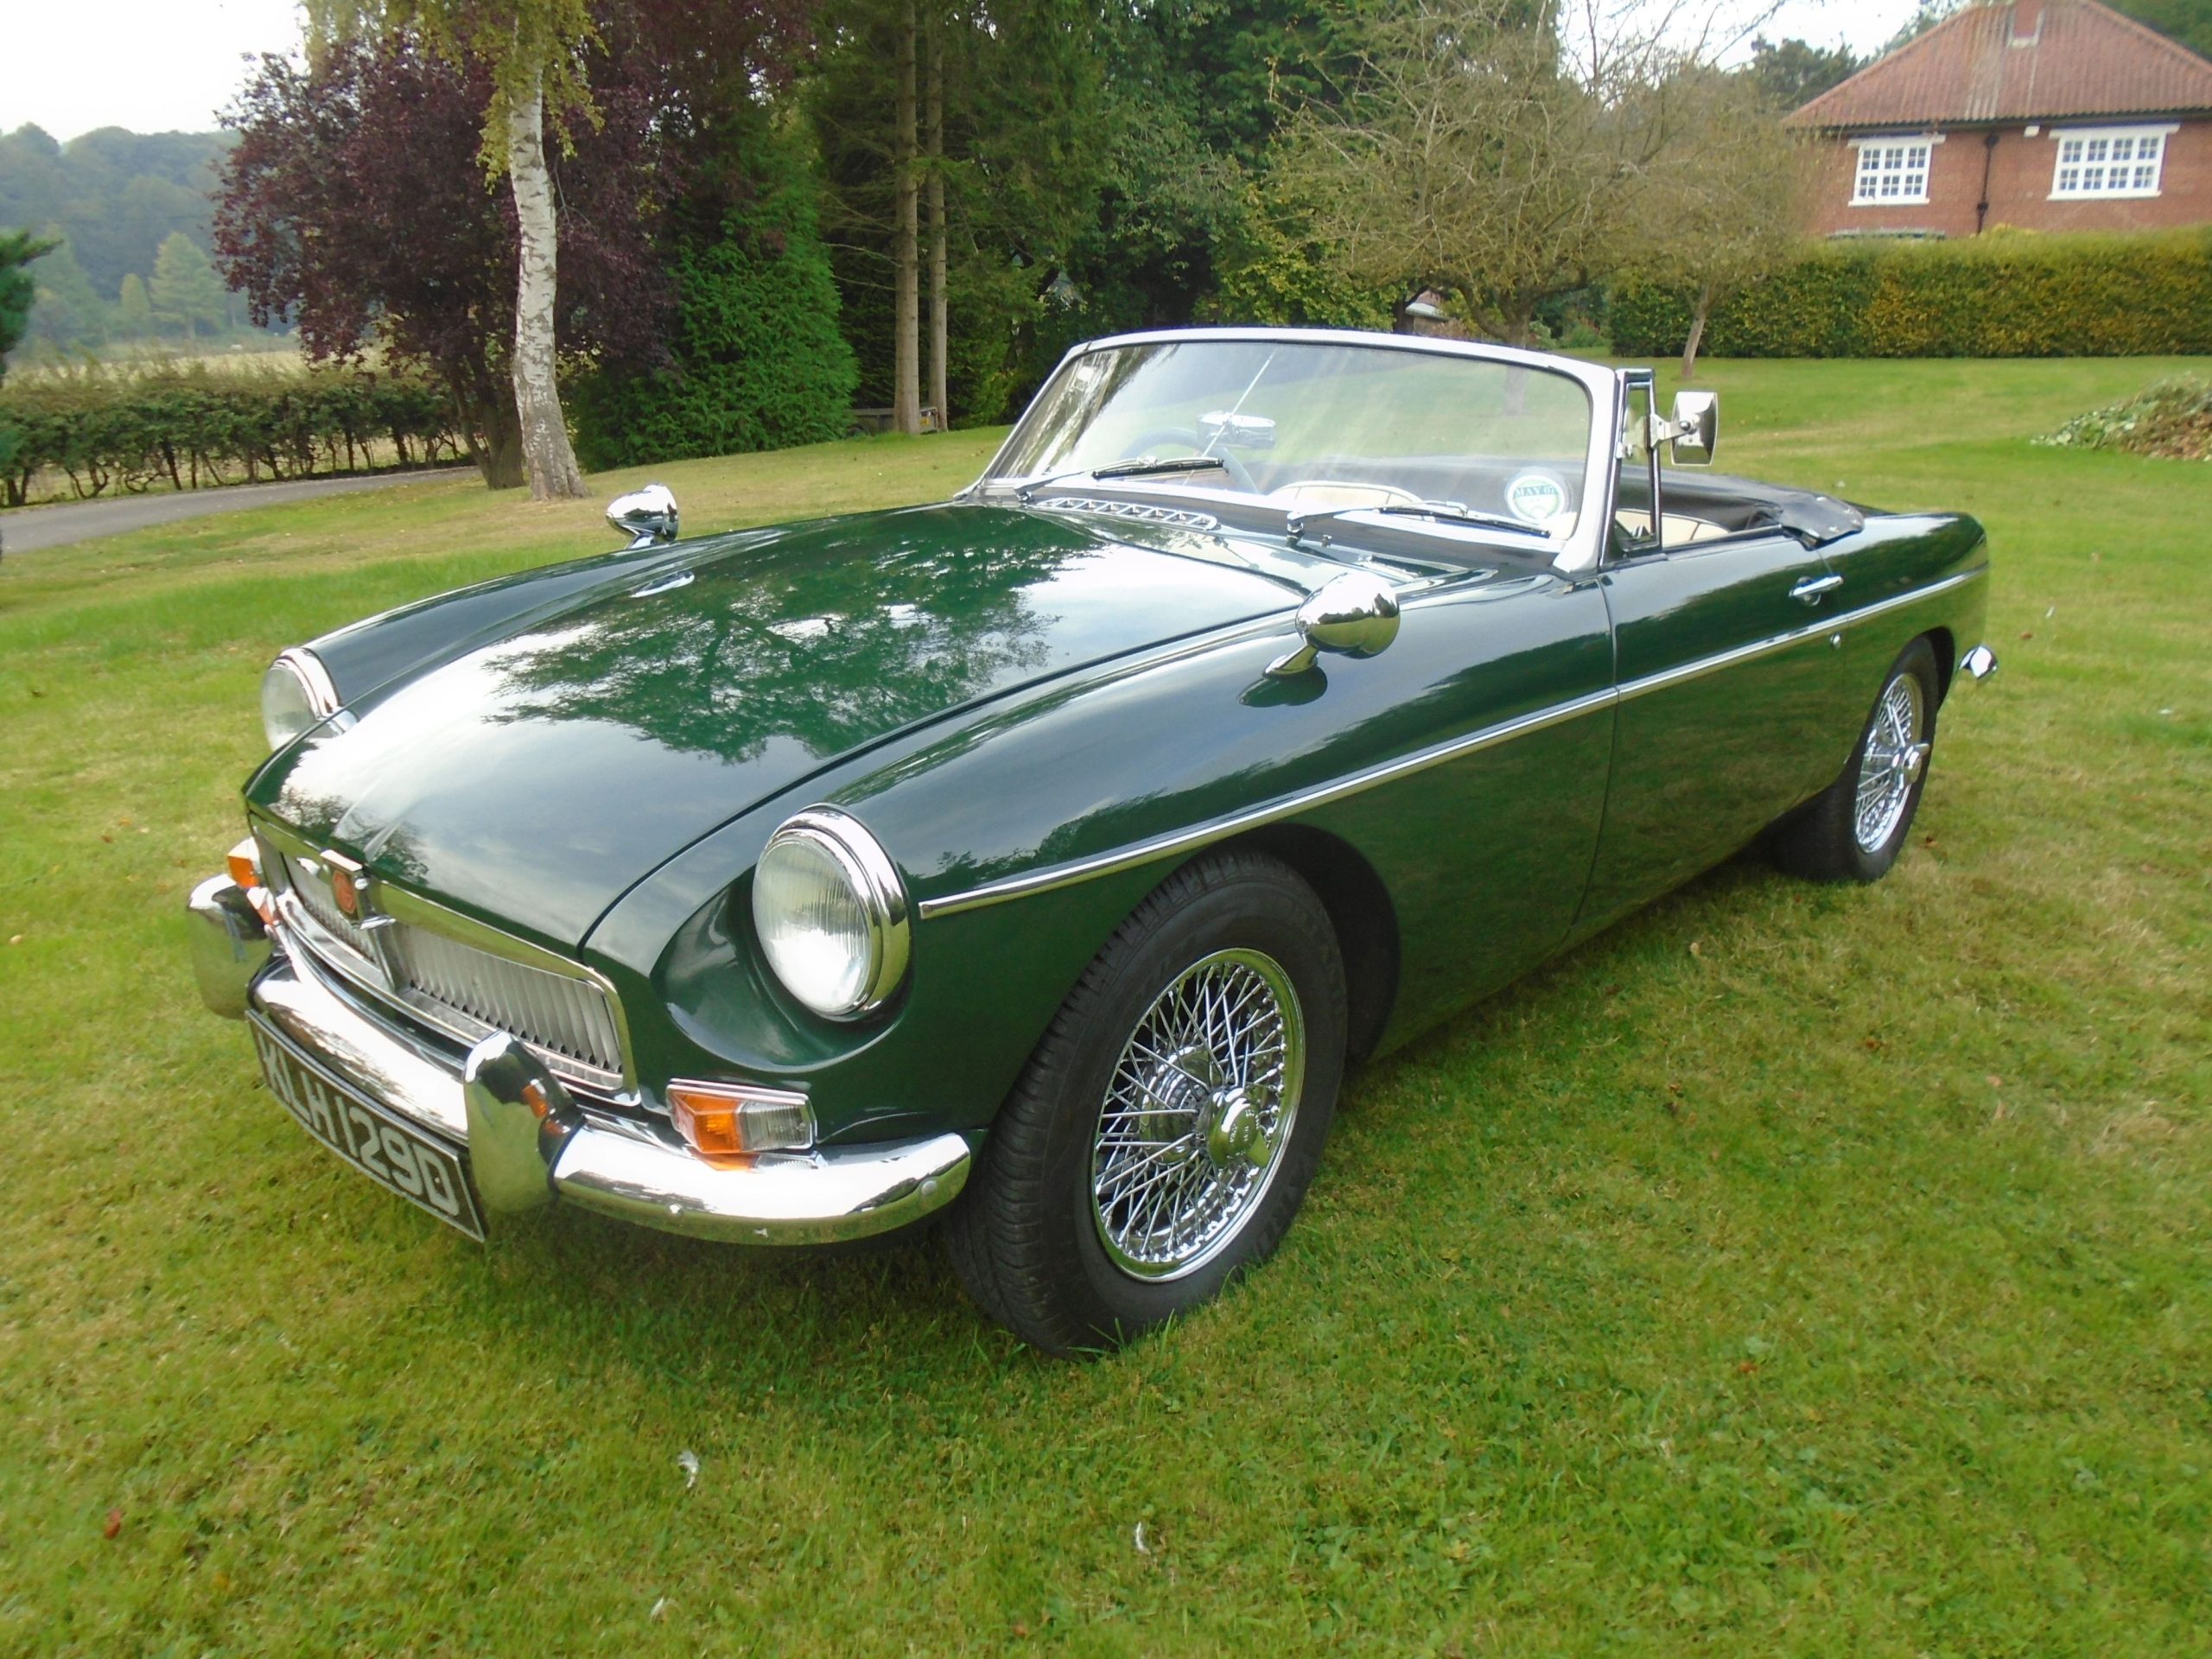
{"x":162,"y":65}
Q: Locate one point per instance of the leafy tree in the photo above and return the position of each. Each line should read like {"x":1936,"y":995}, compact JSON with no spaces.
{"x":17,"y":249}
{"x":1016,"y":161}
{"x":1791,"y":72}
{"x":114,"y":194}
{"x":1926,"y":14}
{"x":186,"y":291}
{"x":1725,"y":199}
{"x":342,"y":211}
{"x":757,"y":360}
{"x":530,"y":52}
{"x":68,"y":311}
{"x":1467,"y":155}
{"x":2189,"y":21}
{"x":134,"y":310}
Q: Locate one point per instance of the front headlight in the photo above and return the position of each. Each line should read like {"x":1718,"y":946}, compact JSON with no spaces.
{"x":295,"y":694}
{"x":831,"y":914}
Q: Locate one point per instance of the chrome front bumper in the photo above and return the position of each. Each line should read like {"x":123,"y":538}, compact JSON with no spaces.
{"x":527,"y":1138}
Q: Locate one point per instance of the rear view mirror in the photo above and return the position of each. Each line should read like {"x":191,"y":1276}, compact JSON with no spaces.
{"x":1694,"y":430}
{"x":1238,"y":431}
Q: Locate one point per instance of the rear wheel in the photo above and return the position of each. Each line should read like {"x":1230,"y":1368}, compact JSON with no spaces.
{"x":1854,"y":829}
{"x":1165,"y":1131}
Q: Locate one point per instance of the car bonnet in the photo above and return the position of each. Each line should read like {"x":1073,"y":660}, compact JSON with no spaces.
{"x":534,"y":778}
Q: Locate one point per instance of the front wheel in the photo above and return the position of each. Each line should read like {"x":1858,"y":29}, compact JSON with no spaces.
{"x":1165,"y":1131}
{"x":1853,"y":829}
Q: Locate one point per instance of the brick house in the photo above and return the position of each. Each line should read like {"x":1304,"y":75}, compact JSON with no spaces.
{"x":2047,"y":115}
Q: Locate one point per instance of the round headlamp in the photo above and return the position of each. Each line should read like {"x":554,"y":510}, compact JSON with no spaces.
{"x":831,"y":914}
{"x":295,"y":694}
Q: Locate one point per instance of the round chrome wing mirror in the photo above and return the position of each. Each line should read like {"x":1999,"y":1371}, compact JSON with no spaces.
{"x":1354,"y":615}
{"x":1694,"y":429}
{"x":647,"y":516}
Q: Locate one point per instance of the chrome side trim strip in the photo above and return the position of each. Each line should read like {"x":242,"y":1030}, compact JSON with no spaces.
{"x":1704,"y":665}
{"x":1145,"y":852}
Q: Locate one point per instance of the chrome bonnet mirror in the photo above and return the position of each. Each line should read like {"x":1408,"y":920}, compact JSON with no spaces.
{"x":1693,"y":429}
{"x":1354,"y":615}
{"x":647,"y":516}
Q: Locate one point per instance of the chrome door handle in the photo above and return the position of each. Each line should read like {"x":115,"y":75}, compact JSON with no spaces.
{"x":1812,"y":587}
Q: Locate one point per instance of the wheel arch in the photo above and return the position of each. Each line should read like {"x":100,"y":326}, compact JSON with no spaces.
{"x":1360,"y":911}
{"x":1945,"y":647}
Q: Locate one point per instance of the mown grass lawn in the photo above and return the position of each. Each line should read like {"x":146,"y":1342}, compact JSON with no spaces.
{"x":1789,"y":1270}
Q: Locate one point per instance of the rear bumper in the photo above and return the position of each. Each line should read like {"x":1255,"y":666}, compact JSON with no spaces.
{"x":528,"y":1141}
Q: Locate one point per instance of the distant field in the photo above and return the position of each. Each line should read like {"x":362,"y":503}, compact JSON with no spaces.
{"x":260,"y":352}
{"x":1789,"y":1270}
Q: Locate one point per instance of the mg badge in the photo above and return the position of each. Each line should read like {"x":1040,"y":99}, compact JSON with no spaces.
{"x":349,"y":886}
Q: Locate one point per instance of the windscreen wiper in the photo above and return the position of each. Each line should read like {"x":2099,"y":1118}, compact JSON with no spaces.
{"x":1139,"y":466}
{"x":1146,"y":466}
{"x":1442,"y":512}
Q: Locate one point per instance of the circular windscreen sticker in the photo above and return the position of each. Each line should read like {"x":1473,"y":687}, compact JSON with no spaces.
{"x":1535,"y":497}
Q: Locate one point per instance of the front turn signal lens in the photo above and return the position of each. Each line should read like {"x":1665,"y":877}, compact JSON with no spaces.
{"x":723,"y":1120}
{"x":244,"y":864}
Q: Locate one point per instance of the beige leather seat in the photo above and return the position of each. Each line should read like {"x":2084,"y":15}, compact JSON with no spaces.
{"x":1680,"y":528}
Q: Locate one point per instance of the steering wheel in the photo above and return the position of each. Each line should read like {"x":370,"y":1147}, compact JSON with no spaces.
{"x":1230,"y":464}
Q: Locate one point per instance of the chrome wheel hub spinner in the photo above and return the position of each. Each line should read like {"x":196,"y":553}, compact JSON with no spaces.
{"x":1193,"y":1124}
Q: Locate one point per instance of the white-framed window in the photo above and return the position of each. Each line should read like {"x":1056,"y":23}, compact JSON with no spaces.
{"x":1894,"y":169}
{"x":2097,"y":163}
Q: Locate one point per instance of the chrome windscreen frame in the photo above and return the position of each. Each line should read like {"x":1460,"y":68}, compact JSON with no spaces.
{"x":1578,"y":552}
{"x":369,"y":979}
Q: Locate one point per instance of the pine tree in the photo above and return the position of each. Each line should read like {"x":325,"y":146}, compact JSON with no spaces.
{"x":185,"y":290}
{"x":134,"y":311}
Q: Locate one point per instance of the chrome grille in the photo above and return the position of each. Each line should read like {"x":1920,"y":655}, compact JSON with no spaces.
{"x":558,"y":1015}
{"x":424,"y":972}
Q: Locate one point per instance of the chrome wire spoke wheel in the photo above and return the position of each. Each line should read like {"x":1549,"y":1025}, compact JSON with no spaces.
{"x":1195,"y":1117}
{"x":1896,"y":753}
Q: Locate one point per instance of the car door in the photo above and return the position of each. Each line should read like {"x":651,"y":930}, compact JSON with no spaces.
{"x":1728,"y":688}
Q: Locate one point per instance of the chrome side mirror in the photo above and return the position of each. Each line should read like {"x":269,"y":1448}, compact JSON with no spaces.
{"x":1693,"y":431}
{"x":1354,"y":615}
{"x":647,"y":516}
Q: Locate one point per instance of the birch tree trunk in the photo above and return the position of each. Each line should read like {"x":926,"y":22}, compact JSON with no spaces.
{"x":933,"y":140}
{"x":547,"y":457}
{"x":906,"y":366}
{"x":1697,"y":330}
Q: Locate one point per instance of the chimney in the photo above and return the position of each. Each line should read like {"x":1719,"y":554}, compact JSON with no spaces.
{"x":2027,"y":21}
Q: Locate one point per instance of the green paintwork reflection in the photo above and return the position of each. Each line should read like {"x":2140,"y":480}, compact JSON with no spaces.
{"x":536,"y":777}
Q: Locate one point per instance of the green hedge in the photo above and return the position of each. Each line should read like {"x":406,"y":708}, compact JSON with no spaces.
{"x":103,"y":429}
{"x":2008,"y":294}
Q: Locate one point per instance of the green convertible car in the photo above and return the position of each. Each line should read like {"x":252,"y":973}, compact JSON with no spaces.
{"x":1042,"y":857}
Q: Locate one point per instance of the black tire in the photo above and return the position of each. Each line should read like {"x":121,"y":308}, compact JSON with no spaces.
{"x":1821,"y":840}
{"x":1028,"y":1237}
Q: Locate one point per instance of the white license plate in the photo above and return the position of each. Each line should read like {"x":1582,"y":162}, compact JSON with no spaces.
{"x":387,"y":1148}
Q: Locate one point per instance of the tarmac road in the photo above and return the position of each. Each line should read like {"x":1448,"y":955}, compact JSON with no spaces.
{"x":24,"y":530}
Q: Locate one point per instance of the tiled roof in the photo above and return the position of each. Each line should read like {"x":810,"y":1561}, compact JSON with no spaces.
{"x":2026,"y":60}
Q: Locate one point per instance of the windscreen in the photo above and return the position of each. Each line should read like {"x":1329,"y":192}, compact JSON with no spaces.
{"x":1316,"y":427}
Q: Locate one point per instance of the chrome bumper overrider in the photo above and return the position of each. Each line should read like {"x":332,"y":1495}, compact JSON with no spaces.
{"x":528,"y":1139}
